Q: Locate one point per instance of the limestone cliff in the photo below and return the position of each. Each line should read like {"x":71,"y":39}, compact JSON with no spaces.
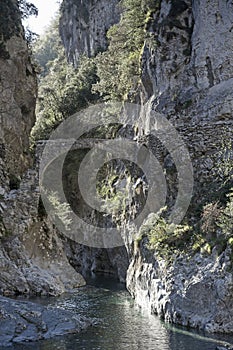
{"x":187,"y":75}
{"x":18,"y":94}
{"x":83,"y":26}
{"x":31,"y":254}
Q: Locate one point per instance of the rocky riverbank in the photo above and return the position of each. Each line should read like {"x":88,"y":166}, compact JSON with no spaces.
{"x":23,"y":321}
{"x":187,"y":77}
{"x":194,"y":291}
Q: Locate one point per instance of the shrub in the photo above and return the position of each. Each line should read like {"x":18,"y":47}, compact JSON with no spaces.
{"x":163,"y":237}
{"x":118,"y":68}
{"x":225,"y":220}
{"x":63,"y":89}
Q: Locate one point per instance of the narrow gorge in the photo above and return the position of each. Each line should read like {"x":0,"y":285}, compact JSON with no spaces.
{"x":157,"y":75}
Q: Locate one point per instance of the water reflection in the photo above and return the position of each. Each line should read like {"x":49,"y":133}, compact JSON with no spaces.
{"x":119,"y":325}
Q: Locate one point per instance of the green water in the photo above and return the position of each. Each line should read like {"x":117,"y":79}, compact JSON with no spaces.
{"x":119,"y":324}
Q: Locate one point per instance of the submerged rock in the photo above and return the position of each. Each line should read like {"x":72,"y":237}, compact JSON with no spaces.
{"x":23,"y":321}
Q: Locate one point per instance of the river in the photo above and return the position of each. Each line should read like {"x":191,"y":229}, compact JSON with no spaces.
{"x":119,"y":324}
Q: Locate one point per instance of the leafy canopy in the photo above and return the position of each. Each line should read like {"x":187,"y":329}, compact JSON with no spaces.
{"x":118,"y":68}
{"x":63,"y":89}
{"x":27,"y":9}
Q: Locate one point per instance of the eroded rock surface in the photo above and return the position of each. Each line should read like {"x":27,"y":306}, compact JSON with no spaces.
{"x":23,"y":321}
{"x":32,"y":258}
{"x":84,"y":24}
{"x":193,"y":291}
{"x":187,"y":77}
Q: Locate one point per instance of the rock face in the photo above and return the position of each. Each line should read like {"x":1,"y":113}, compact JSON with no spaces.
{"x":32,"y":258}
{"x":188,"y":77}
{"x":83,"y":26}
{"x":186,"y":50}
{"x":27,"y":322}
{"x":86,"y":260}
{"x":194,"y":292}
{"x":32,"y":253}
{"x":18,"y":88}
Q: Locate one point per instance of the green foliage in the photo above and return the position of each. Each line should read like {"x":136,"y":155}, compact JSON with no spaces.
{"x":216,"y":229}
{"x":63,"y":89}
{"x":225,"y":220}
{"x":48,"y":47}
{"x":118,"y":68}
{"x":168,"y":238}
{"x":198,"y":241}
{"x":27,"y":9}
{"x":77,"y":91}
{"x":30,"y":37}
{"x":163,"y":237}
{"x":119,"y":186}
{"x":114,"y":200}
{"x":59,"y":210}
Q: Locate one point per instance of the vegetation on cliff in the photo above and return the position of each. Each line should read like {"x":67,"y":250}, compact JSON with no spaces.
{"x":27,"y":9}
{"x":63,"y":89}
{"x":115,"y":75}
{"x":119,"y":68}
{"x":213,"y":230}
{"x":10,"y":22}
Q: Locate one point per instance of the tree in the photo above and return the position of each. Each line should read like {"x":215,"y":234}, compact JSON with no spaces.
{"x":63,"y":89}
{"x":118,"y":68}
{"x":48,"y":47}
{"x":27,"y":9}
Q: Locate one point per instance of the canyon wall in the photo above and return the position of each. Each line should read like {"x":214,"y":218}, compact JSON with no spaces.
{"x":84,"y":24}
{"x":187,"y":77}
{"x":32,"y":258}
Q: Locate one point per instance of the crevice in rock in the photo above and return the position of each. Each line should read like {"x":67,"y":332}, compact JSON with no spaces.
{"x":210,"y":73}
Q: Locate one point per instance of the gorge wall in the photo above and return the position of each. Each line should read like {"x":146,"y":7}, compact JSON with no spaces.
{"x":187,"y":77}
{"x":84,"y":25}
{"x":32,"y":258}
{"x":186,"y":66}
